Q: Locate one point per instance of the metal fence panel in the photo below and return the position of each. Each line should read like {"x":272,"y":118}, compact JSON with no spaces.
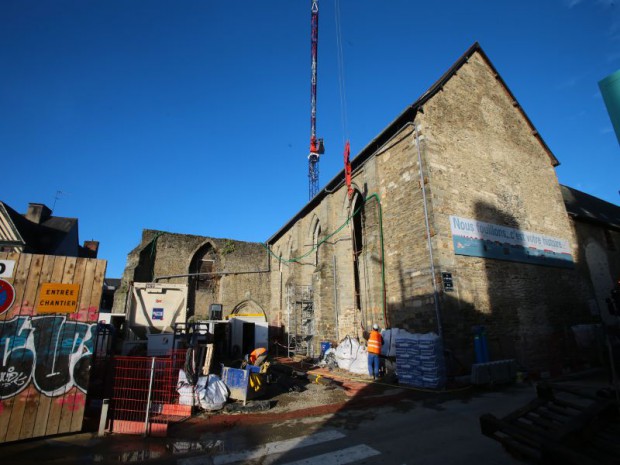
{"x":144,"y":394}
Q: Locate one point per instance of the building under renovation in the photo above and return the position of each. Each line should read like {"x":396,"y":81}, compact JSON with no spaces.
{"x":453,"y":219}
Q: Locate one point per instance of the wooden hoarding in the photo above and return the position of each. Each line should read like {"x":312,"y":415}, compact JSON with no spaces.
{"x":45,"y":355}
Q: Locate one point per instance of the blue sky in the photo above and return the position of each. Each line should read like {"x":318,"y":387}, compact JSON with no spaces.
{"x":194,"y":116}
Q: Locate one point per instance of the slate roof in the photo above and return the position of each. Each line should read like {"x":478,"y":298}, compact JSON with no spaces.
{"x":586,"y":207}
{"x":43,"y":238}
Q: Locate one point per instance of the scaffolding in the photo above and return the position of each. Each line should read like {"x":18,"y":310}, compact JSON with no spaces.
{"x":301,"y":324}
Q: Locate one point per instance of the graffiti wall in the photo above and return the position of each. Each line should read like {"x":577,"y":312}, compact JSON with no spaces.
{"x":48,"y":314}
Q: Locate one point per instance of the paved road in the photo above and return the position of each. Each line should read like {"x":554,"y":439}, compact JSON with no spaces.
{"x":435,"y":428}
{"x":407,"y":432}
{"x":416,"y":430}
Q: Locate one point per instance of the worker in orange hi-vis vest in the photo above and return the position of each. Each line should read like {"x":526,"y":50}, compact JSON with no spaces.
{"x":375,"y":341}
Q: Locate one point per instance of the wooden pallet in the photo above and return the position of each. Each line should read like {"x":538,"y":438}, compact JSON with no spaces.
{"x":563,"y":425}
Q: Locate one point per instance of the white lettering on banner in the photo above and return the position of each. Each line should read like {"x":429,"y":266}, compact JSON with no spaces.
{"x":491,"y":232}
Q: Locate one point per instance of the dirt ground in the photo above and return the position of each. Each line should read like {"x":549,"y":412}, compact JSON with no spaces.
{"x":314,"y":395}
{"x":287,"y":393}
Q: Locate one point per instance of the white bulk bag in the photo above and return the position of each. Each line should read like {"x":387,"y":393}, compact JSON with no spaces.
{"x":212,"y":393}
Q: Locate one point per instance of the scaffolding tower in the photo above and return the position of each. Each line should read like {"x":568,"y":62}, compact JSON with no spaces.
{"x":301,"y":324}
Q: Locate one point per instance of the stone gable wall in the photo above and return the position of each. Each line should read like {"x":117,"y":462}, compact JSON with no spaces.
{"x":484,"y":162}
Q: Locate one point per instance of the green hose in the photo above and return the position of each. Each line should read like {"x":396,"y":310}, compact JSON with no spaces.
{"x":383,"y":303}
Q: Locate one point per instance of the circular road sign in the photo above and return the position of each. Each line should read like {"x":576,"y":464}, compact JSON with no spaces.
{"x":7,"y":296}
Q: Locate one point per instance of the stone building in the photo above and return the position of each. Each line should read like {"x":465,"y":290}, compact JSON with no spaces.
{"x":454,"y":218}
{"x":596,"y":225}
{"x":39,"y":232}
{"x":232,"y":273}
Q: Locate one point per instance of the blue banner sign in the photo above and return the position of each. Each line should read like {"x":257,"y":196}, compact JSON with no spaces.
{"x":479,"y":239}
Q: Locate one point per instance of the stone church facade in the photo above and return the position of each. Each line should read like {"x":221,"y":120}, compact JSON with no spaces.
{"x":383,"y":250}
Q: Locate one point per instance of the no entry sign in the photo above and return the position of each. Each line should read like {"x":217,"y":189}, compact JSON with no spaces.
{"x":7,"y":296}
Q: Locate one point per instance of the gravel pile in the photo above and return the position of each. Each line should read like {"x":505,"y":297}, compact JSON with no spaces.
{"x":315,"y":395}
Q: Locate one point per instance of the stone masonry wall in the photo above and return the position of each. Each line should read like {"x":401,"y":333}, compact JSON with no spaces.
{"x":336,"y":315}
{"x":244,"y":267}
{"x":483,"y":162}
{"x":408,"y":272}
{"x":598,"y":262}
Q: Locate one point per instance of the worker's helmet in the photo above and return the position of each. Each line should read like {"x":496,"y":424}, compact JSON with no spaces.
{"x":375,"y":327}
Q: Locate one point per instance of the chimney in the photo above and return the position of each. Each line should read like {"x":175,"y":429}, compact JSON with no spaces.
{"x":37,"y":213}
{"x":93,"y":246}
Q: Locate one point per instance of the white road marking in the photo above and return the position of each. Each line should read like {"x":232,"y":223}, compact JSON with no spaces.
{"x":339,"y":457}
{"x":277,"y":447}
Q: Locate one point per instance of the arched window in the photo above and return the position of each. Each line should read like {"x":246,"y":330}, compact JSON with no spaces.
{"x":316,"y":234}
{"x":204,"y":265}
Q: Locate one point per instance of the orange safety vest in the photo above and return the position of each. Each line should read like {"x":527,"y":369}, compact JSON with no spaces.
{"x":374,"y":342}
{"x":256,"y":353}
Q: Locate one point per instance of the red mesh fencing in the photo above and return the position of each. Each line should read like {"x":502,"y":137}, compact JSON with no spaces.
{"x":144,"y":394}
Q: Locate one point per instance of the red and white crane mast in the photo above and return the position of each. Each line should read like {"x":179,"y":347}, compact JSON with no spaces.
{"x":316,"y":145}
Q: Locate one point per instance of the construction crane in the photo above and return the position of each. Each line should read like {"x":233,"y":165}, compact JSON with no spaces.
{"x":316,"y":145}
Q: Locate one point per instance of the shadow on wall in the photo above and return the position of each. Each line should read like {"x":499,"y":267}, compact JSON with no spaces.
{"x":530,"y":307}
{"x":526,"y":309}
{"x":146,"y":262}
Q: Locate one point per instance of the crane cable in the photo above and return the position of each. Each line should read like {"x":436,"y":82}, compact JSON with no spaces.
{"x":341,"y":79}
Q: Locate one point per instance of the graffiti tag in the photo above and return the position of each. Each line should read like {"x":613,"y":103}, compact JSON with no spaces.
{"x":53,"y":352}
{"x":11,"y":377}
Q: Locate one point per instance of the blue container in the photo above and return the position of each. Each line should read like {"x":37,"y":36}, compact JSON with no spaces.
{"x":240,"y":385}
{"x":480,"y":345}
{"x":485,"y":349}
{"x":252,"y":368}
{"x":236,"y":380}
{"x":325,"y":346}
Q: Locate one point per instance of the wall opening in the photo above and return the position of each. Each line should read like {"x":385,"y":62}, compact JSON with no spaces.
{"x":315,"y":243}
{"x":249,"y":328}
{"x":358,"y":247}
{"x":204,"y":262}
{"x":609,"y":240}
{"x":602,"y":282}
{"x":204,"y":284}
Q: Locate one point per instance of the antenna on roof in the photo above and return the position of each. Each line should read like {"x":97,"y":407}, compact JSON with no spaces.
{"x":56,"y":197}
